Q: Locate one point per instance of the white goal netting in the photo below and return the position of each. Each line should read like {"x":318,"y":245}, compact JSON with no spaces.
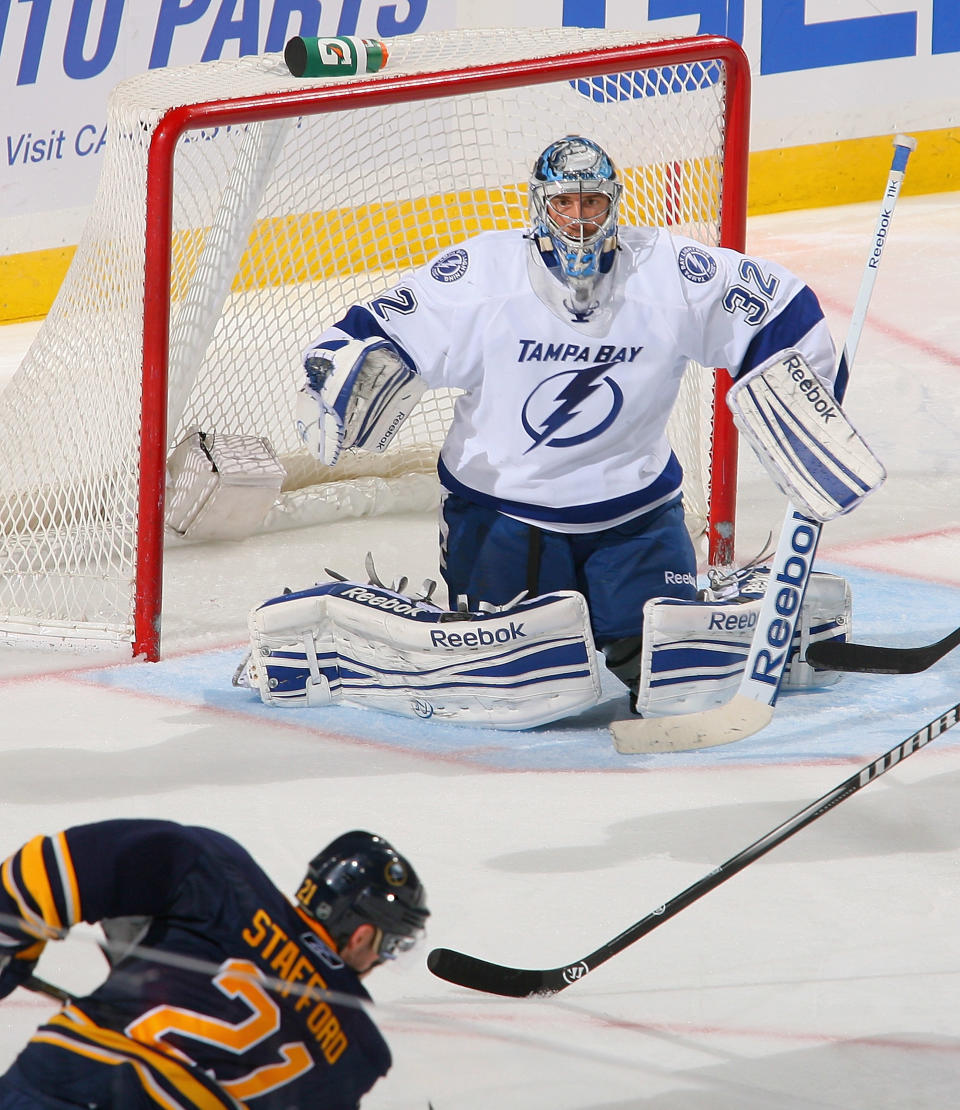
{"x":286,"y":209}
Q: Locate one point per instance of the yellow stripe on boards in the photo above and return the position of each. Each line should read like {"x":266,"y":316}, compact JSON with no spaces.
{"x":815,"y":176}
{"x":29,"y":282}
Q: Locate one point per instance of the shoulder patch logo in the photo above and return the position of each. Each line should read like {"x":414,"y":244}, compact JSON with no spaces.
{"x":451,"y":267}
{"x":696,"y":265}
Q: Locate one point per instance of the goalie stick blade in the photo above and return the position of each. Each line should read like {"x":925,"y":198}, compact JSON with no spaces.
{"x":839,"y":655}
{"x":510,"y":982}
{"x":739,"y":718}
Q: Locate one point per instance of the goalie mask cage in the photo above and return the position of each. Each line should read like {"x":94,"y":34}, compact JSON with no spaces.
{"x":240,"y":210}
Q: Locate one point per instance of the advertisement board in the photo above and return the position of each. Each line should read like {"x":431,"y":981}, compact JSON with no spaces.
{"x":824,"y":71}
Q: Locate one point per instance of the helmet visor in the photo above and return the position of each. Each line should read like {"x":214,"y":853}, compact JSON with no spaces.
{"x":395,"y":944}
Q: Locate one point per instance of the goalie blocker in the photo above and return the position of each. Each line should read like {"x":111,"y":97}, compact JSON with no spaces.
{"x":343,"y":642}
{"x":803,"y":439}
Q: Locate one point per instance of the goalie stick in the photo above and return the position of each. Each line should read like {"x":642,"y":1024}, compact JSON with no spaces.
{"x":751,"y":707}
{"x":480,"y":975}
{"x":841,"y":655}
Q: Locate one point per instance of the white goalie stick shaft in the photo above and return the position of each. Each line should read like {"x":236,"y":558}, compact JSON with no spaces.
{"x":751,"y":707}
{"x":514,"y":982}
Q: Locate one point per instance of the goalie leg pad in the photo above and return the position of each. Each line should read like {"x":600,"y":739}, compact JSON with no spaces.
{"x":826,"y":614}
{"x":694,"y":652}
{"x":512,"y":668}
{"x":799,"y":432}
{"x":356,"y":395}
{"x":293,"y":657}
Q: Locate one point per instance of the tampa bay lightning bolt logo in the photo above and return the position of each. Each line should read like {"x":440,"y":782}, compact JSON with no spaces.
{"x":585,"y":402}
{"x":451,"y":267}
{"x":696,"y":265}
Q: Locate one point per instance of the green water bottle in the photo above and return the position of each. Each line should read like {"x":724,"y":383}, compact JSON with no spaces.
{"x":334,"y":57}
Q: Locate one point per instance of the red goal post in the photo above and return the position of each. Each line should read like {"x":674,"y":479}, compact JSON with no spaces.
{"x":253,"y":279}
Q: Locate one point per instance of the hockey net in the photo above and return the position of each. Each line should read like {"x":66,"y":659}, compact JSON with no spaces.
{"x":241,"y":210}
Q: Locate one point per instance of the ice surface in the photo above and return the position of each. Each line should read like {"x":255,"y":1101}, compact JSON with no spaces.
{"x":825,"y":975}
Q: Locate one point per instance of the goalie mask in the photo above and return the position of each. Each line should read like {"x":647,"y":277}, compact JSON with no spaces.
{"x":360,"y":879}
{"x":574,"y":201}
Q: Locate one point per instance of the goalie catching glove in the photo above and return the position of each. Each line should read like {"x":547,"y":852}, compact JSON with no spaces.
{"x":802,"y":437}
{"x":356,"y":395}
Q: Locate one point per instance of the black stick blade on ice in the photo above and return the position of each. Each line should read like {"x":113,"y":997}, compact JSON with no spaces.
{"x":510,"y":982}
{"x":840,"y":655}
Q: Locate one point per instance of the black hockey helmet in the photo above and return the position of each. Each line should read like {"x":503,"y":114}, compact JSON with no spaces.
{"x":360,"y":879}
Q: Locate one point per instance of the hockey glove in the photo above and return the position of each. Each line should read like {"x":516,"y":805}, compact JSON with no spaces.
{"x":356,"y":395}
{"x":319,"y":425}
{"x":16,"y":970}
{"x":802,"y":437}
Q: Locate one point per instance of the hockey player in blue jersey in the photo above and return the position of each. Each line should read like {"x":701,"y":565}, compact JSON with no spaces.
{"x":230,"y":994}
{"x":568,"y":342}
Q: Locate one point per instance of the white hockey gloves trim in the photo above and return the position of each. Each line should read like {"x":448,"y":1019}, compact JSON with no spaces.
{"x":368,"y":646}
{"x":357,"y":395}
{"x":802,"y":437}
{"x":694,"y":652}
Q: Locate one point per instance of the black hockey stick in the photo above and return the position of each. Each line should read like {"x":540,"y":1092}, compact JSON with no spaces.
{"x":468,"y":971}
{"x":838,"y":655}
{"x":41,"y":986}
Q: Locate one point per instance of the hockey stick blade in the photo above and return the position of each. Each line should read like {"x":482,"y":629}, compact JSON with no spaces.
{"x":510,"y":982}
{"x":738,"y":718}
{"x":840,"y":655}
{"x":513,"y":982}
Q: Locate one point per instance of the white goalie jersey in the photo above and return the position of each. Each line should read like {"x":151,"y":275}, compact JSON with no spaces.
{"x":562,"y":422}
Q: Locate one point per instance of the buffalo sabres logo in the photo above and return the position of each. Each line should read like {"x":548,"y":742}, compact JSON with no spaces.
{"x":575,"y":972}
{"x":451,"y":267}
{"x":395,"y":873}
{"x":583,"y":402}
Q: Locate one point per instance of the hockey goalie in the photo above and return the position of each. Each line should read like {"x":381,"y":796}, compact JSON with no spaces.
{"x":568,"y":342}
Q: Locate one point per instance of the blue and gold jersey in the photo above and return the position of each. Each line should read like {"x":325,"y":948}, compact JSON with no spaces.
{"x":231,"y":1003}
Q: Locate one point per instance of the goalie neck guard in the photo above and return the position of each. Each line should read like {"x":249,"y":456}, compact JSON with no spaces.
{"x":574,"y":231}
{"x":360,"y":879}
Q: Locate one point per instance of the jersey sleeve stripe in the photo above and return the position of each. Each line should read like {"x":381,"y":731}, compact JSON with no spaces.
{"x":360,"y":323}
{"x":785,"y":330}
{"x":68,"y":879}
{"x":14,"y":885}
{"x":45,"y":894}
{"x":169,"y":1083}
